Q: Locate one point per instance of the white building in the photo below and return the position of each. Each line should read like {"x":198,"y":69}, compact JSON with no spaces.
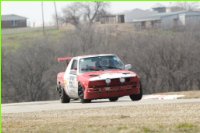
{"x":111,"y":19}
{"x":168,"y":20}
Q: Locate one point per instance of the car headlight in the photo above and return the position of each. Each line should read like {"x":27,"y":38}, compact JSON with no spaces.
{"x":108,"y":81}
{"x":122,"y":80}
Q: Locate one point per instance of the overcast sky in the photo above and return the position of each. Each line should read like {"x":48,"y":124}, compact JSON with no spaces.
{"x":32,"y":10}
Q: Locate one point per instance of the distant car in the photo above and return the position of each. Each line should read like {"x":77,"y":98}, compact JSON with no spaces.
{"x":97,"y":77}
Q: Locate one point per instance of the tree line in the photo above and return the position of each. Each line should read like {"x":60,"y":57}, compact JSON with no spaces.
{"x":166,"y":60}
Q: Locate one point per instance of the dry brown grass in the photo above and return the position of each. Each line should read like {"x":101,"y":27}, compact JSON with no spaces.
{"x":188,"y":94}
{"x":162,"y":118}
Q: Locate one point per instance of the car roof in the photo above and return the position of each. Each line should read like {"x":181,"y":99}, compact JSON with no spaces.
{"x":95,"y":55}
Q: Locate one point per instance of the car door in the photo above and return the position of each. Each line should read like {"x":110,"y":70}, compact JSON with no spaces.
{"x":72,"y":81}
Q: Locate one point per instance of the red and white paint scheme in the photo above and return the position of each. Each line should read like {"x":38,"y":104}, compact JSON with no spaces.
{"x":97,"y":77}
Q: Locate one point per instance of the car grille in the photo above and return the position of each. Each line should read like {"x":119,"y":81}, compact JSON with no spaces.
{"x":114,"y":82}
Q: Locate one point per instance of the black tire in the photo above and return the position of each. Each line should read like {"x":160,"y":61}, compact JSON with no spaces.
{"x":75,"y":99}
{"x":85,"y":101}
{"x":64,"y":98}
{"x":137,"y":97}
{"x":58,"y":89}
{"x":81,"y":94}
{"x":113,"y":99}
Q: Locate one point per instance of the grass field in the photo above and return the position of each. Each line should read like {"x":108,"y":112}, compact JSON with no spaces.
{"x":160,"y":118}
{"x":18,"y":37}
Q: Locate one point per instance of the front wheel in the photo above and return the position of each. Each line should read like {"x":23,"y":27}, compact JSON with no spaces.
{"x":81,"y":94}
{"x":85,"y":101}
{"x":137,"y":97}
{"x":64,"y":98}
{"x":113,"y":99}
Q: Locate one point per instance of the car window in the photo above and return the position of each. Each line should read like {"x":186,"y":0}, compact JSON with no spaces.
{"x":100,"y":63}
{"x":74,"y":65}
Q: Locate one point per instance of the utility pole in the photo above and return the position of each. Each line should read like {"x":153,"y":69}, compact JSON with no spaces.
{"x":43,"y":18}
{"x":56,"y":14}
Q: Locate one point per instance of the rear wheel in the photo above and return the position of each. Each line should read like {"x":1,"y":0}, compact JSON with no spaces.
{"x":58,"y":89}
{"x":81,"y":94}
{"x":64,"y":98}
{"x":113,"y":99}
{"x":85,"y":101}
{"x":137,"y":97}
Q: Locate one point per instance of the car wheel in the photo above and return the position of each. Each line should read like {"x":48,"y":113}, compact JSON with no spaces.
{"x":113,"y":99}
{"x":81,"y":94}
{"x":58,"y":89}
{"x":64,"y":98}
{"x":85,"y":101}
{"x":137,"y":97}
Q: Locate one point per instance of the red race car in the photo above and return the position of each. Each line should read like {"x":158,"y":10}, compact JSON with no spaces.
{"x":97,"y":77}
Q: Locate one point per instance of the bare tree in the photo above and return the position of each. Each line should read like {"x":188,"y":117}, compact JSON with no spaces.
{"x":92,"y":10}
{"x":72,"y":14}
{"x":26,"y":71}
{"x":165,"y":60}
{"x":88,"y":12}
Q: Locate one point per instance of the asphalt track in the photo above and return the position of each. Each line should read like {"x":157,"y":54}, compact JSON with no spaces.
{"x":56,"y":105}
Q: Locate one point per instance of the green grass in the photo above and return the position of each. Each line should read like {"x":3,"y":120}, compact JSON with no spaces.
{"x":19,"y":39}
{"x":187,"y":128}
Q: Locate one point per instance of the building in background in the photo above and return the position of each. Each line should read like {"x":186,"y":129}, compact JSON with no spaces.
{"x":137,"y":13}
{"x":166,"y":18}
{"x":13,"y":21}
{"x":111,"y":19}
{"x":163,"y":9}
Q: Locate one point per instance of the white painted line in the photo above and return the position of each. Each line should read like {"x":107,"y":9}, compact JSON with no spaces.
{"x":163,"y":97}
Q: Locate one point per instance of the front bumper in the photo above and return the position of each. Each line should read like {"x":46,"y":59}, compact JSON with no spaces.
{"x":107,"y":92}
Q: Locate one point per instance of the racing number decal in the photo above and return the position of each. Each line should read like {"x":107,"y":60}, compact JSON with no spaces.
{"x":72,"y":86}
{"x":72,"y":81}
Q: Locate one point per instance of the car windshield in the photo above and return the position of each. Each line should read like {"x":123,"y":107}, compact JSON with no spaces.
{"x":100,"y":63}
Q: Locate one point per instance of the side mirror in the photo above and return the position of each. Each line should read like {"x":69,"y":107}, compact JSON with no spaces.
{"x":128,"y":66}
{"x":74,"y":72}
